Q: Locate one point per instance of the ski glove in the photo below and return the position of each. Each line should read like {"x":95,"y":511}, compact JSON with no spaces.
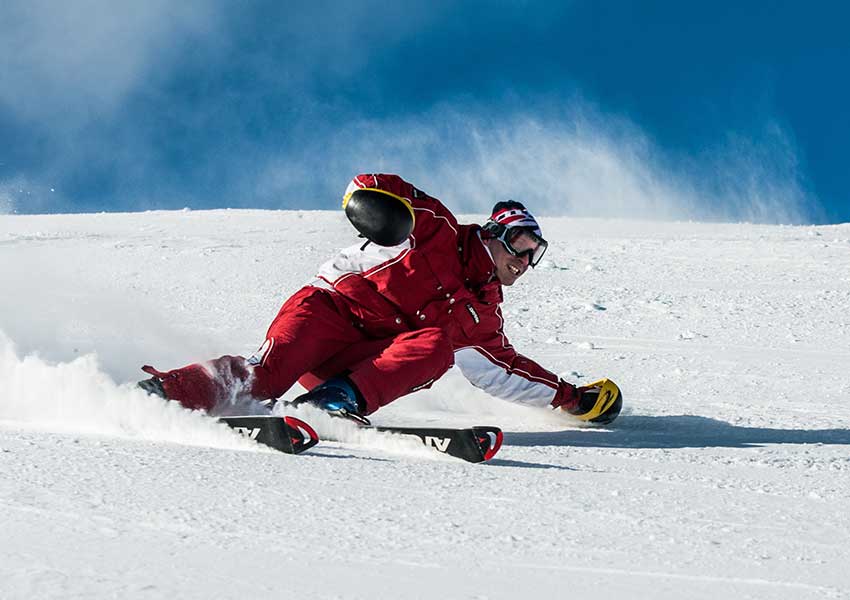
{"x":598,"y":402}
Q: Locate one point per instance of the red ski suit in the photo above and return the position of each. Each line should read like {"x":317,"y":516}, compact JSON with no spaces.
{"x":392,"y":319}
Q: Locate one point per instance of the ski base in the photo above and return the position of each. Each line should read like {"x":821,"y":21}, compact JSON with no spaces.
{"x":472,"y":444}
{"x":286,"y":434}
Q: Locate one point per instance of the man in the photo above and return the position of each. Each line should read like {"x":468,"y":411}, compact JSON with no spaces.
{"x":390,"y":316}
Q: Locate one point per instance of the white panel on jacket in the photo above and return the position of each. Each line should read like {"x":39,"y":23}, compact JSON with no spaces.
{"x":354,"y":260}
{"x":497,"y":381}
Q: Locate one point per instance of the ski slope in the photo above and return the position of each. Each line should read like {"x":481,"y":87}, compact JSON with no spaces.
{"x":727,"y":476}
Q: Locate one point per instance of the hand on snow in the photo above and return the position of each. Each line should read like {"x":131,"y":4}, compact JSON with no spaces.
{"x":599,"y":402}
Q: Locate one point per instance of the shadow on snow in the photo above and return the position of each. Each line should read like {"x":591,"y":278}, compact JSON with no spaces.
{"x":676,"y":431}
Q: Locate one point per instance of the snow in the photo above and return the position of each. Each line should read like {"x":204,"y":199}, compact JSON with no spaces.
{"x":728,"y":474}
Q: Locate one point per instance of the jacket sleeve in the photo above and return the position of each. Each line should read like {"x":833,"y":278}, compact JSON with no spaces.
{"x":492,"y":364}
{"x":430,"y":215}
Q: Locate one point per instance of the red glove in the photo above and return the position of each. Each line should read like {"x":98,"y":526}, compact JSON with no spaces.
{"x":567,"y":397}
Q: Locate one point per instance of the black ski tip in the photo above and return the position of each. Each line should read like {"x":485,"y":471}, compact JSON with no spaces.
{"x":286,"y":434}
{"x":301,"y":435}
{"x":489,"y":440}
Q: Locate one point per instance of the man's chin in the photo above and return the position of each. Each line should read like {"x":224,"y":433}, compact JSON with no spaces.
{"x":508,"y":279}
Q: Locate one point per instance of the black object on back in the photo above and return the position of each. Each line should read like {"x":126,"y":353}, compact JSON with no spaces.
{"x":381,"y":218}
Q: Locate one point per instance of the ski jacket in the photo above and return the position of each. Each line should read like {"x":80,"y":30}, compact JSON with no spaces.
{"x":442,"y":276}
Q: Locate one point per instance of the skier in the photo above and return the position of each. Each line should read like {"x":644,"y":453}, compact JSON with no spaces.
{"x":390,"y":316}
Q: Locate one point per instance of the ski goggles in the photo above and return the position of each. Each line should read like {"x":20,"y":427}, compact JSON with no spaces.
{"x":522,"y":242}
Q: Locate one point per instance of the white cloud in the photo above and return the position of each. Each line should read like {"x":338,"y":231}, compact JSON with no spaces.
{"x":72,"y":60}
{"x":575,"y":162}
{"x":7,"y":204}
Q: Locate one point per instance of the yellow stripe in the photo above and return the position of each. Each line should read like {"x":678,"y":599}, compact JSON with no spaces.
{"x":404,"y":201}
{"x":607,"y":396}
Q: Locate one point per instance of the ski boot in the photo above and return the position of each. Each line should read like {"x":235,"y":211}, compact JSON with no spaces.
{"x":153,"y":386}
{"x":338,"y":397}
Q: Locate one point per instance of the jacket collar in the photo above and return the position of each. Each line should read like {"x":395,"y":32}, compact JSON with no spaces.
{"x":478,"y":266}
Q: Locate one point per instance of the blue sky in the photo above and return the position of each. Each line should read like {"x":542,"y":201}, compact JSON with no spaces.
{"x":710,"y":111}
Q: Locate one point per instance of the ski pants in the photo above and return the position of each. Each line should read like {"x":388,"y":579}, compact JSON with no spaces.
{"x":314,"y":338}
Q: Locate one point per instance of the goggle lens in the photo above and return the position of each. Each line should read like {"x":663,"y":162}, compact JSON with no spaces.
{"x":523,"y":242}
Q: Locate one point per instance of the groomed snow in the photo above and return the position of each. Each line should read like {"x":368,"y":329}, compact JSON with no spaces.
{"x":727,"y":476}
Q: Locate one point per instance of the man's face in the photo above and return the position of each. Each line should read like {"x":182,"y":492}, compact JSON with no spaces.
{"x":509,"y":268}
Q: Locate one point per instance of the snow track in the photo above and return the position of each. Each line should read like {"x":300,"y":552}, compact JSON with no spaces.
{"x":727,"y":475}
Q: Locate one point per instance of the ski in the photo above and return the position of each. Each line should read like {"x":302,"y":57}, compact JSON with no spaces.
{"x":286,"y":434}
{"x":293,"y":436}
{"x":472,"y":444}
